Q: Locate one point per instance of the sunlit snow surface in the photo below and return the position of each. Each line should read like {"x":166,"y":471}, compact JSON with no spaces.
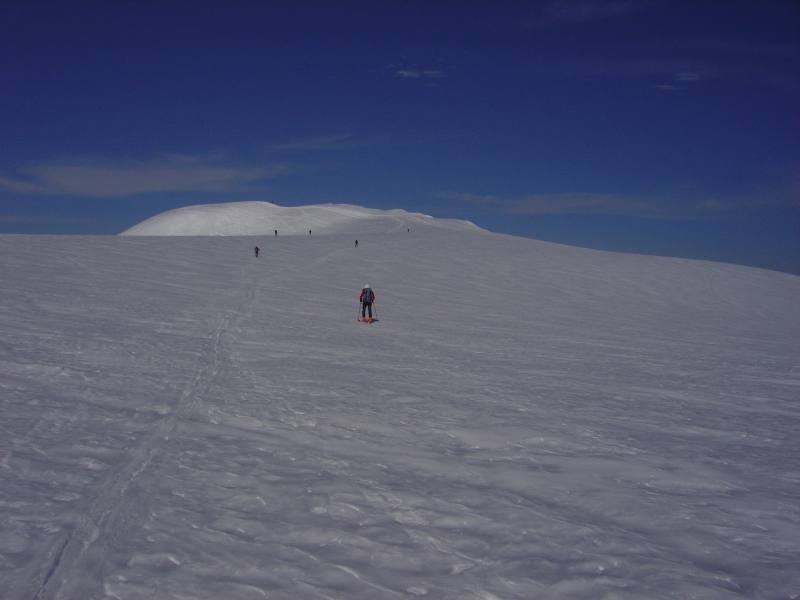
{"x":266,"y":218}
{"x":181,"y":420}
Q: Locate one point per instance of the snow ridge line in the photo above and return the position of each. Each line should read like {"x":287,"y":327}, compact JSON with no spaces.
{"x":87,"y":540}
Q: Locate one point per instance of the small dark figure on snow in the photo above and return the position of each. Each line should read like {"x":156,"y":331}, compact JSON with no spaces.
{"x":356,"y":243}
{"x":309,"y":232}
{"x":257,"y":251}
{"x":366,"y":298}
{"x":276,"y":233}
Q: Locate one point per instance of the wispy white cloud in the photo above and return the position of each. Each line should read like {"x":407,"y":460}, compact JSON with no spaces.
{"x":111,"y":179}
{"x":644,"y":68}
{"x":407,"y":73}
{"x":587,"y":203}
{"x":662,"y":207}
{"x":683,"y":63}
{"x":44,"y":220}
{"x":680,"y":81}
{"x":662,"y":73}
{"x":20,"y":185}
{"x":738,"y":62}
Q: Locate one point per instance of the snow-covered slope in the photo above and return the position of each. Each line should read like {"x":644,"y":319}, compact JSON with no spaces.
{"x":263,"y":218}
{"x":179,"y":419}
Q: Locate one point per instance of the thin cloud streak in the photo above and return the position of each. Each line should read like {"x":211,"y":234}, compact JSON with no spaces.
{"x":103,"y":179}
{"x":587,"y":204}
{"x":20,"y":185}
{"x":617,"y":204}
{"x":678,"y":69}
{"x":38,"y":220}
{"x":419,"y":74}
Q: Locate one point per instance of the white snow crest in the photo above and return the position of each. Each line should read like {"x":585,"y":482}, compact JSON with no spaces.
{"x":265,"y":218}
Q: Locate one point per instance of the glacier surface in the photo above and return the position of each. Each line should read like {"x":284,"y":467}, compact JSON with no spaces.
{"x":180,"y":419}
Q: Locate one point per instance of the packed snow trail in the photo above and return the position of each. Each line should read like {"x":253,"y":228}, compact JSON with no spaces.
{"x":526,"y":420}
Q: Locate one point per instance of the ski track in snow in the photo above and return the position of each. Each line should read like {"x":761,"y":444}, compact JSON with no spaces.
{"x":182,"y":420}
{"x":88,"y":539}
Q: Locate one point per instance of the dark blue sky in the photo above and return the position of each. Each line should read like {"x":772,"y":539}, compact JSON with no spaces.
{"x":653,"y":126}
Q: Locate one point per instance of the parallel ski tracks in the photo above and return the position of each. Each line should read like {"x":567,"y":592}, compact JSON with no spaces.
{"x":85,"y":544}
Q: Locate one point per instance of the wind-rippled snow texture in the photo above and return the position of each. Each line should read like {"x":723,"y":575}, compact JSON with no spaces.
{"x":179,"y":419}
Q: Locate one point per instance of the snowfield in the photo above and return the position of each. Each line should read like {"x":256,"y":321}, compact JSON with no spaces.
{"x":181,"y":420}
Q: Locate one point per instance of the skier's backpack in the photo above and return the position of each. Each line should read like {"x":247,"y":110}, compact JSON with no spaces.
{"x":368,"y":296}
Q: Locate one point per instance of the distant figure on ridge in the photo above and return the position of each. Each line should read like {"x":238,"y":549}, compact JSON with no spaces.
{"x":309,"y":232}
{"x":276,"y":233}
{"x":257,"y":251}
{"x":356,"y":243}
{"x":366,"y":298}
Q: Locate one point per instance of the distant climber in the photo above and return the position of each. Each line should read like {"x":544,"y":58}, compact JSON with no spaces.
{"x":309,"y":232}
{"x":257,"y":251}
{"x":356,"y":243}
{"x":366,"y":298}
{"x":276,"y":233}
